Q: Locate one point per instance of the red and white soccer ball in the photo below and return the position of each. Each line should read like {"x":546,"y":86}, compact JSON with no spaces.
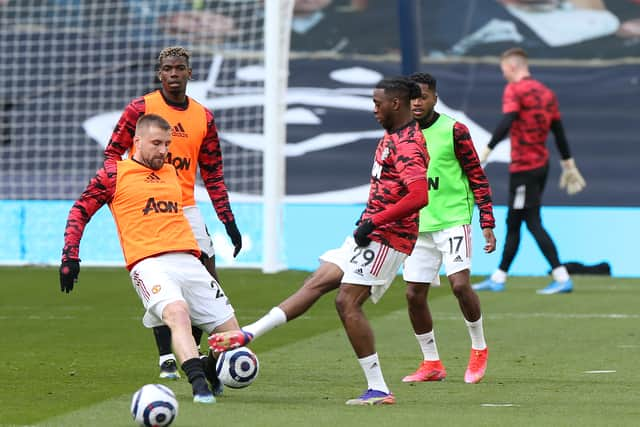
{"x":237,"y":368}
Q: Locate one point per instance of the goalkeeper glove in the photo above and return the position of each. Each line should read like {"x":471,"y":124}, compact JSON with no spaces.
{"x":69,"y":270}
{"x":484,"y":155}
{"x":571,"y":180}
{"x":235,"y":236}
{"x":361,"y":235}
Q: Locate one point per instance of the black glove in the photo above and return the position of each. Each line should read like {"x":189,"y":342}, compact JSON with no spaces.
{"x":69,"y":271}
{"x":361,"y":235}
{"x":235,"y":236}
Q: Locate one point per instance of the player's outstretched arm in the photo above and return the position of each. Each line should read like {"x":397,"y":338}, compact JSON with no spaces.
{"x":98,"y":192}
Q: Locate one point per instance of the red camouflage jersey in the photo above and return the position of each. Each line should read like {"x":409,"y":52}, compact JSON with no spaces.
{"x":537,"y":107}
{"x":478,"y":181}
{"x":401,"y":158}
{"x":209,"y":157}
{"x":99,"y":192}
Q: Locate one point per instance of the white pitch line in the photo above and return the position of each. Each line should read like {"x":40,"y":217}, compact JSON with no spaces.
{"x":600,"y":372}
{"x":498,"y":405}
{"x":500,"y":316}
{"x":566,"y":315}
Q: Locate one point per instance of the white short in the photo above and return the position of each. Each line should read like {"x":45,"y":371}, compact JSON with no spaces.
{"x":375,"y":265}
{"x":451,"y":245}
{"x":179,"y":276}
{"x":199,"y":229}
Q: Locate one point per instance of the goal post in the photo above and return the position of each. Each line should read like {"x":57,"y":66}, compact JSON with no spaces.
{"x":278,"y":14}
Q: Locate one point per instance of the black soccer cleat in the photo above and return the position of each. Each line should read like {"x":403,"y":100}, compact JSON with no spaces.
{"x":209,"y":365}
{"x":169,"y":370}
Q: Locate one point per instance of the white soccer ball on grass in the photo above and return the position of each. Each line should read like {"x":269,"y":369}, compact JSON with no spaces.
{"x":154,"y":405}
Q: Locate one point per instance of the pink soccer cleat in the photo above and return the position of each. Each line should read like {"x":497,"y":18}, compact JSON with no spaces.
{"x":223,"y":341}
{"x":477,"y":366}
{"x":429,"y":370}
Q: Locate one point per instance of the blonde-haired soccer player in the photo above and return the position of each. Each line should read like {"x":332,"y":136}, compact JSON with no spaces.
{"x":159,"y":247}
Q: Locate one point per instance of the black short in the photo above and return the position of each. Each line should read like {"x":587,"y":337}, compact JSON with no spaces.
{"x":526,"y":188}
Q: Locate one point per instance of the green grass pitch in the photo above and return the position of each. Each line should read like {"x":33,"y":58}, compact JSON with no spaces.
{"x":560,"y":360}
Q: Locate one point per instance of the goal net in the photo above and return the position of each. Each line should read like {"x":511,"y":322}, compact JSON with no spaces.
{"x":71,"y":66}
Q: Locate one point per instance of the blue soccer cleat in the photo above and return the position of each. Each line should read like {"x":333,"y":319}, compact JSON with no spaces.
{"x":373,"y":397}
{"x":557,"y":288}
{"x":489,"y":285}
{"x":204,"y":398}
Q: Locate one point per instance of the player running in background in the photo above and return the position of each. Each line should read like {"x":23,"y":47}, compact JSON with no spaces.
{"x":159,"y":247}
{"x":194,"y":143}
{"x":530,"y":110}
{"x":456,"y":180}
{"x":366,"y":264}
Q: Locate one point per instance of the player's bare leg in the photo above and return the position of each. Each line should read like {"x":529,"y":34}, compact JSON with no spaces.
{"x":418,"y":307}
{"x":431,"y":368}
{"x":325,"y":279}
{"x":467,"y":298}
{"x":176,"y":316}
{"x":349,"y":305}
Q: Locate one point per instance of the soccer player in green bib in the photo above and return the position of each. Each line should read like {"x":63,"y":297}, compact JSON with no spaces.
{"x":456,"y":181}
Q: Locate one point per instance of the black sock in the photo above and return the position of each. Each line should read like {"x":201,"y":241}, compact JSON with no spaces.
{"x":209,"y":364}
{"x":163,"y":339}
{"x":197,"y":335}
{"x":195,"y":373}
